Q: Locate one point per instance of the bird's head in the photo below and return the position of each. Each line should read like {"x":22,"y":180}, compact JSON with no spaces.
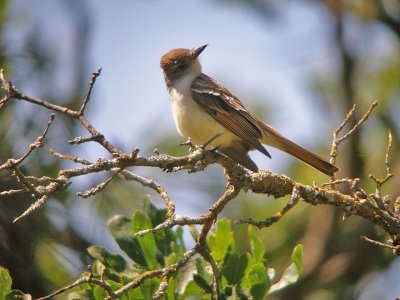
{"x":180,"y":62}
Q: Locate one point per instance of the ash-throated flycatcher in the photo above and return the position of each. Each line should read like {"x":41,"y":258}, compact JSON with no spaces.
{"x":204,"y":108}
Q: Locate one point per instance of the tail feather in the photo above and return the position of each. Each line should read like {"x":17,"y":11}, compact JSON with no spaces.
{"x":275,"y":139}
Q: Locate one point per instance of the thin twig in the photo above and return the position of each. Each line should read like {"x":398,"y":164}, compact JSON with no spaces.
{"x":16,"y":94}
{"x":336,"y":140}
{"x":176,"y":221}
{"x":294,"y":199}
{"x":230,"y":193}
{"x":27,"y":185}
{"x":12,"y":192}
{"x":154,"y":273}
{"x":389,"y":175}
{"x":155,"y":186}
{"x":362,"y":120}
{"x":36,"y":144}
{"x":89,"y":92}
{"x":81,"y":139}
{"x":71,"y":157}
{"x":203,"y":251}
{"x":101,"y":186}
{"x":38,"y":203}
{"x":380,"y":244}
{"x":377,"y":196}
{"x":7,"y":85}
{"x":87,"y":279}
{"x":159,"y":294}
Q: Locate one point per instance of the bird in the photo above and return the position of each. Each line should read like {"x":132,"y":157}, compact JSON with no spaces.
{"x":206,"y":111}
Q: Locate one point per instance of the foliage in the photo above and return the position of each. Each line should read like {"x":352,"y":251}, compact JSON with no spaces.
{"x":242,"y":274}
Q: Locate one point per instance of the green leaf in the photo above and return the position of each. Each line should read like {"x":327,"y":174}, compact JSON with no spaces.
{"x":194,"y":233}
{"x":149,"y":287}
{"x":222,"y":240}
{"x":292,"y":273}
{"x":170,"y":293}
{"x":191,"y":289}
{"x":163,"y":238}
{"x":256,"y":246}
{"x":259,"y":281}
{"x":297,"y":257}
{"x":147,"y":242}
{"x":114,"y":261}
{"x":99,"y":293}
{"x":5,"y":283}
{"x":179,"y":232}
{"x":234,"y":267}
{"x":228,"y":290}
{"x":157,"y":216}
{"x":202,"y":283}
{"x":200,"y":267}
{"x":171,"y":259}
{"x":121,"y":229}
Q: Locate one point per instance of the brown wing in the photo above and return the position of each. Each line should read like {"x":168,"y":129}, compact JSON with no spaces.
{"x":227,"y":110}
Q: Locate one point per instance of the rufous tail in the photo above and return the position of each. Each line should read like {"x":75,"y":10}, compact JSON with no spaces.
{"x":275,"y":139}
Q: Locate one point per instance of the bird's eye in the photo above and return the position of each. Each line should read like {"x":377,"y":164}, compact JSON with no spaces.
{"x":180,"y":67}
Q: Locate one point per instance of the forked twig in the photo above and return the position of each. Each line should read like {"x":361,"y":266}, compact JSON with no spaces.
{"x":336,"y":140}
{"x":389,"y":175}
{"x":377,"y":196}
{"x":380,"y":244}
{"x":11,"y":163}
{"x":294,"y":199}
{"x":89,"y":92}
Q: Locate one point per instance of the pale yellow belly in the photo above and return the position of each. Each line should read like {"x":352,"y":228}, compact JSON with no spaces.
{"x":192,"y":121}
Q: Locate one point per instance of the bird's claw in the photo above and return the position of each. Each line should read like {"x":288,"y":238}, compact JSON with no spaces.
{"x":211,"y":140}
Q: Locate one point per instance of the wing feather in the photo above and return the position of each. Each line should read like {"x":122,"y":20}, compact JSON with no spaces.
{"x":226,"y":109}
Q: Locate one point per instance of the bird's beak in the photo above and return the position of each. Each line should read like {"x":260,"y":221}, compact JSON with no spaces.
{"x":196,"y":52}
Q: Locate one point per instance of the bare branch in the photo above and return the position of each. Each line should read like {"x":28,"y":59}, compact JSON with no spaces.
{"x":294,"y":199}
{"x":389,"y":175}
{"x":39,"y":203}
{"x":214,"y":267}
{"x":101,"y":186}
{"x":155,"y":186}
{"x":87,"y":279}
{"x":380,"y":244}
{"x":171,"y":222}
{"x":358,"y":201}
{"x":159,"y":294}
{"x":11,"y":163}
{"x":89,"y":92}
{"x":73,"y":158}
{"x":377,"y":196}
{"x":362,"y":120}
{"x":27,"y":185}
{"x":7,"y":85}
{"x":12,"y":92}
{"x":81,"y":140}
{"x":336,"y":140}
{"x":12,"y":192}
{"x":155,"y":273}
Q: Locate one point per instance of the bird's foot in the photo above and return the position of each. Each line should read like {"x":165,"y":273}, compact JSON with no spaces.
{"x":192,"y":147}
{"x":211,"y":140}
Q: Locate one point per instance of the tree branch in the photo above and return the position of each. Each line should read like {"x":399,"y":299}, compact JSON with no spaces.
{"x":372,"y":207}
